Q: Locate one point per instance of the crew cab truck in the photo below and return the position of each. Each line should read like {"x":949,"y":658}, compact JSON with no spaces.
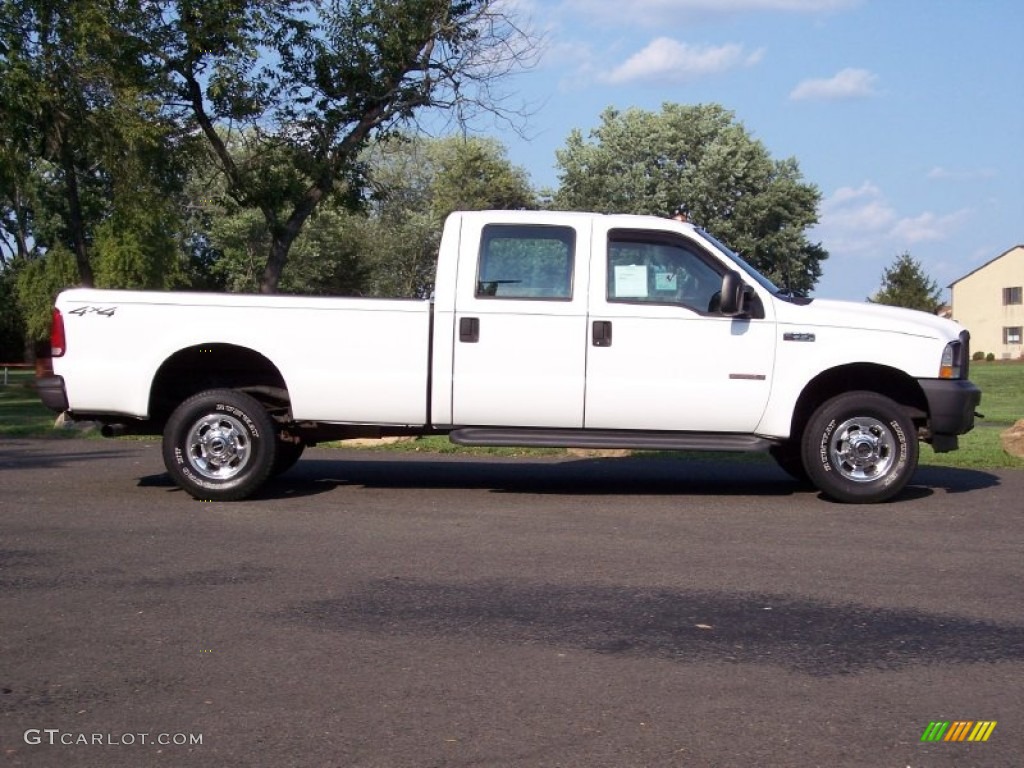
{"x":545,"y":329}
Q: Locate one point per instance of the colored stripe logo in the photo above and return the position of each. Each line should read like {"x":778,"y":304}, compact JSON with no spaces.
{"x":958,"y":730}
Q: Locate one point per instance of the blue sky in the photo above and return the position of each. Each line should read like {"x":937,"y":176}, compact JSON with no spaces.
{"x":908,"y":115}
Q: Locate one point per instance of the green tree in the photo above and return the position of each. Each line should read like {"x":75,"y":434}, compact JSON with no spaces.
{"x":388,"y":248}
{"x":314,"y":85}
{"x":472,"y":174}
{"x":17,"y":203}
{"x":699,"y":156}
{"x":44,"y":78}
{"x":137,"y":252}
{"x":138,"y":242}
{"x":37,"y":284}
{"x":327,"y":257}
{"x":83,"y":132}
{"x":225,"y":244}
{"x":905,"y":284}
{"x":12,"y":324}
{"x":418,"y":183}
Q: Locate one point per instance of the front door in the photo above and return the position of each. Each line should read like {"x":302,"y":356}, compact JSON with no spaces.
{"x":661,"y":356}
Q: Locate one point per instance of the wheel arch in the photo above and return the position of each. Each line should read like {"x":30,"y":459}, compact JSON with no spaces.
{"x":883,"y":380}
{"x":203,"y":367}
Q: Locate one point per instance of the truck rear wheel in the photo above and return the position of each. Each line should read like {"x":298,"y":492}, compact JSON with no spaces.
{"x":220,"y":445}
{"x":860,"y":447}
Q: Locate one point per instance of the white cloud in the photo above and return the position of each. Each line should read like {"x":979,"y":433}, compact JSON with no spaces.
{"x":928,"y":227}
{"x":668,"y":60}
{"x":516,"y":7}
{"x":938,"y":173}
{"x":657,"y":12}
{"x":846,"y":84}
{"x":852,"y":217}
{"x":858,"y":220}
{"x":798,"y":6}
{"x":863,"y":232}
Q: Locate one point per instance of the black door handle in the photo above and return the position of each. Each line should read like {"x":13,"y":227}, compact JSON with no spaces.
{"x":469,"y":329}
{"x":602,"y":333}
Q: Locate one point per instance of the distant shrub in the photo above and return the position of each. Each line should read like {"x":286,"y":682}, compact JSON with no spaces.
{"x":990,"y":357}
{"x":979,"y":355}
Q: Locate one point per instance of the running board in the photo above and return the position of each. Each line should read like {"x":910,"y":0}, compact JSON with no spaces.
{"x":605,"y":438}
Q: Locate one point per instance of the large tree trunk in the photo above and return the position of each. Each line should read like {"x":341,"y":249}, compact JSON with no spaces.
{"x":21,"y":230}
{"x":76,"y":224}
{"x":283,"y":236}
{"x":280,"y":245}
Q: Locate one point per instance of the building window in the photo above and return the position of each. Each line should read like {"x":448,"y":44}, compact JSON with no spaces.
{"x":1013,"y":295}
{"x":1012,"y":335}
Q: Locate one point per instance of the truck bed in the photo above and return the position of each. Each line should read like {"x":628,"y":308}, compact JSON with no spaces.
{"x":342,"y":360}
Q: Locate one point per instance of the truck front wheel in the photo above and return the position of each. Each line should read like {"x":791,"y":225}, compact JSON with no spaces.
{"x":860,"y":447}
{"x":220,"y":445}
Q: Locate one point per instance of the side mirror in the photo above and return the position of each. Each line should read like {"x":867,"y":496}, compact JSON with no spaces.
{"x":734,"y":294}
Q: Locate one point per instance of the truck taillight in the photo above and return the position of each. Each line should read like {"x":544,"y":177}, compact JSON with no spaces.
{"x":58,"y":346}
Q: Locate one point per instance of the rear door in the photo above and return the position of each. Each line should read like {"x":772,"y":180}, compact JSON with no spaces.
{"x":521,"y":324}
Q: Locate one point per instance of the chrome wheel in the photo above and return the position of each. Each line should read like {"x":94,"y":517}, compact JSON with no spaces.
{"x":860,"y":447}
{"x":863,"y":449}
{"x":218,"y":446}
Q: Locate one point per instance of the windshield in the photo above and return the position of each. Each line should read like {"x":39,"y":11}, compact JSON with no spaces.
{"x":760,"y":279}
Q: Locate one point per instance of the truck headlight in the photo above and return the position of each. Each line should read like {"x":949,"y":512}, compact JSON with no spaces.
{"x":954,"y":359}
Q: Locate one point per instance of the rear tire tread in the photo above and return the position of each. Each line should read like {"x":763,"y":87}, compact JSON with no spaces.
{"x":257,"y":434}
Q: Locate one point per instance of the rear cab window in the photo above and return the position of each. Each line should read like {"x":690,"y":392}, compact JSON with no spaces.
{"x":519,"y":261}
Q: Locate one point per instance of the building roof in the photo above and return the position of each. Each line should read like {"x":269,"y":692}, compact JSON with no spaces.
{"x":990,"y":261}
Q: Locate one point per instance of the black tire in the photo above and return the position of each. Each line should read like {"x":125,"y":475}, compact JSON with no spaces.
{"x":220,"y":445}
{"x":288,"y":453}
{"x":789,"y":456}
{"x":860,"y":448}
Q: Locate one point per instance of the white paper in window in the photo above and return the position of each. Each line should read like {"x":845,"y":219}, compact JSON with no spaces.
{"x":665,"y":281}
{"x":631,"y":281}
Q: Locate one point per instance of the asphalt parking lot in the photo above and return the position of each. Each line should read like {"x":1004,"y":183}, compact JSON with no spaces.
{"x":389,"y":610}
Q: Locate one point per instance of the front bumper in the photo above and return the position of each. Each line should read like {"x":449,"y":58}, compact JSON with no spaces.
{"x":951,"y":404}
{"x":52,"y":393}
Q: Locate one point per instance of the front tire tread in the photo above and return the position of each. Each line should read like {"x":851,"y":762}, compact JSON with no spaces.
{"x":897,"y":437}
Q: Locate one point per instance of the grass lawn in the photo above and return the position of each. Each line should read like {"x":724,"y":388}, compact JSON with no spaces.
{"x":1002,"y":385}
{"x":1002,"y":402}
{"x":21,"y":412}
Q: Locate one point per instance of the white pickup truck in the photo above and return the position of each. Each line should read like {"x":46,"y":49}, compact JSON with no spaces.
{"x":546,"y":329}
